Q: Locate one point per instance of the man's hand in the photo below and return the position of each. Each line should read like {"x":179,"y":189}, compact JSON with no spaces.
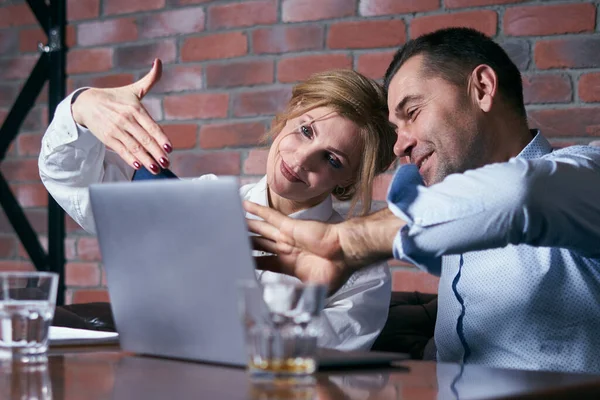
{"x":319,"y":252}
{"x":118,"y":119}
{"x":308,"y":250}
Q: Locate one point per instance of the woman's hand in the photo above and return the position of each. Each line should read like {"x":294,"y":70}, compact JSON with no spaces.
{"x":118,"y":119}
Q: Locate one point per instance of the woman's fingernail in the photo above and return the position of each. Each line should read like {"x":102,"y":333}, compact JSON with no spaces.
{"x":153,"y":167}
{"x":136,"y":165}
{"x":164,"y":162}
{"x":167,"y":147}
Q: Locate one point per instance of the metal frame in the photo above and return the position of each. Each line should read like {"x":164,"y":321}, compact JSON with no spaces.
{"x":51,"y":16}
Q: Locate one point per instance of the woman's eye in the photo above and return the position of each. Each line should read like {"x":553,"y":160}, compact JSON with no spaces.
{"x":335,"y":163}
{"x":306,"y":131}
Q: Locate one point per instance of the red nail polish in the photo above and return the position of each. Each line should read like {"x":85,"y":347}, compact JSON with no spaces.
{"x":154,"y":168}
{"x":167,"y":148}
{"x":136,"y":165}
{"x":164,"y":162}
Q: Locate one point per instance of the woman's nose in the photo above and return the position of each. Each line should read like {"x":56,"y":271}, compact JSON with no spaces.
{"x":304,"y":158}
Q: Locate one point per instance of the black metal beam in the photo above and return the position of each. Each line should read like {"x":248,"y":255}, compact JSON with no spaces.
{"x":22,"y":227}
{"x":24,"y":103}
{"x":56,"y":92}
{"x":41,"y":12}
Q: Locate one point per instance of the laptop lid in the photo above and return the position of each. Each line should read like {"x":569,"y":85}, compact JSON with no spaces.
{"x":174,"y":251}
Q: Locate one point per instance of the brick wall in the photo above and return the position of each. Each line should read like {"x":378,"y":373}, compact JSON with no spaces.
{"x":229,"y":66}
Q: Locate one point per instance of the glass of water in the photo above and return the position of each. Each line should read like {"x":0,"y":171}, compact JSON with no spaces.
{"x":27,"y":302}
{"x":281,"y":338}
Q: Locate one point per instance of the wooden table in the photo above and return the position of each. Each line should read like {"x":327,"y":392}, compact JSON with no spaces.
{"x":108,"y":373}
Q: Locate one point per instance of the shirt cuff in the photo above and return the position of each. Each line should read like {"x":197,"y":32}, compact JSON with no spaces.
{"x":65,"y":130}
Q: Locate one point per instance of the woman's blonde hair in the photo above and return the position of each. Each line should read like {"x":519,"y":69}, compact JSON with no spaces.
{"x":360,"y":100}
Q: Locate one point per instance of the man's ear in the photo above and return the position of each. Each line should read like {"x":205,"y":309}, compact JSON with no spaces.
{"x":483,"y":87}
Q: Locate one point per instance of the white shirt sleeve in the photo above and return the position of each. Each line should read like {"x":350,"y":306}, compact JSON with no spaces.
{"x":355,"y":315}
{"x":71,"y":159}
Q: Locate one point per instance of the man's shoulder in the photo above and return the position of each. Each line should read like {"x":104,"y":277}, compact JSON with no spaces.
{"x":590,"y":153}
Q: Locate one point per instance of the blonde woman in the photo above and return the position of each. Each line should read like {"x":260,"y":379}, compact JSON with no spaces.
{"x":330,"y":141}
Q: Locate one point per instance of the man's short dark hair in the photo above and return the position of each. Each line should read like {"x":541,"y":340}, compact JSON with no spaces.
{"x":453,"y":53}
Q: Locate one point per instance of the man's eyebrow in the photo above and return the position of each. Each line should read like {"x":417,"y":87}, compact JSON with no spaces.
{"x":411,"y":98}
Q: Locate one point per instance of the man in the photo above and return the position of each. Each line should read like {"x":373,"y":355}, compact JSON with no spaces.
{"x":511,"y":226}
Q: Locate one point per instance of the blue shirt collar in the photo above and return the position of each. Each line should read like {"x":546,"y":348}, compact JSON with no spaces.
{"x":537,"y":148}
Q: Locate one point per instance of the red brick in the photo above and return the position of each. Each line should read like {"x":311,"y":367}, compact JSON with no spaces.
{"x":37,"y":217}
{"x":371,"y":8}
{"x":72,"y":226}
{"x":8,"y":245}
{"x":248,"y":13}
{"x":154,"y":107}
{"x":574,"y":52}
{"x":117,"y":30}
{"x":104,"y":81}
{"x":20,"y":170}
{"x":364,"y":34}
{"x":380,"y":186}
{"x":196,"y":164}
{"x":179,"y":78}
{"x":183,"y":136}
{"x":35,"y":120}
{"x":82,"y":9}
{"x":471,"y":3}
{"x":519,"y":52}
{"x":18,"y":67}
{"x":589,"y":87}
{"x":121,"y":7}
{"x":256,"y":162}
{"x":282,"y":39}
{"x":29,"y":144}
{"x":82,"y":274}
{"x":293,"y":69}
{"x":554,"y":88}
{"x":168,"y":23}
{"x":89,"y":60}
{"x":29,"y":38}
{"x":260,"y":102}
{"x":405,"y":280}
{"x":217,"y":136}
{"x":69,"y":247}
{"x":30,"y":194}
{"x":485,"y":21}
{"x":143,"y":55}
{"x":241,"y":73}
{"x":9,"y":41}
{"x":185,"y":2}
{"x":16,"y":265}
{"x":88,"y":249}
{"x":566,"y":122}
{"x":16,"y":15}
{"x":196,"y":106}
{"x":549,"y":19}
{"x":103,"y":282}
{"x":374,"y":65}
{"x":90,"y":296}
{"x":210,"y":47}
{"x":8,"y":93}
{"x":309,"y":10}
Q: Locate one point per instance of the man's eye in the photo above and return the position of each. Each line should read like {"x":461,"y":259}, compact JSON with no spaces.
{"x":411,"y":113}
{"x":306,"y":131}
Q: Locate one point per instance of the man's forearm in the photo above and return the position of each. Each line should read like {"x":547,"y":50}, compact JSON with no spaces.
{"x":369,"y":239}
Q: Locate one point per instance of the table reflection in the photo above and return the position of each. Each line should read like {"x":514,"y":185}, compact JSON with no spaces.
{"x":25,"y":381}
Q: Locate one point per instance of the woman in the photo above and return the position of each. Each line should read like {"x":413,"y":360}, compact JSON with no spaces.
{"x":331,"y":140}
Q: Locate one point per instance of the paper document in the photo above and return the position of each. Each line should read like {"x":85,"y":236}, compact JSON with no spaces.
{"x":60,"y":336}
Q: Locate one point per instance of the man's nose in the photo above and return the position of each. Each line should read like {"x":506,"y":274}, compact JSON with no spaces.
{"x":404,"y":143}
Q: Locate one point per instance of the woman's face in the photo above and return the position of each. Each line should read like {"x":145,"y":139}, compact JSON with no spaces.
{"x":313,"y":154}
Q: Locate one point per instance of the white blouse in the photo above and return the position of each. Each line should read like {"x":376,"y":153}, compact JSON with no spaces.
{"x":72,"y":159}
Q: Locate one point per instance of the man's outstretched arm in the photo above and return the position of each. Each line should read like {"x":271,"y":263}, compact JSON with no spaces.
{"x":319,"y":252}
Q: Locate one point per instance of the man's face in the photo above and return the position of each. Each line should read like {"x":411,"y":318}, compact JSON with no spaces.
{"x":437,"y":123}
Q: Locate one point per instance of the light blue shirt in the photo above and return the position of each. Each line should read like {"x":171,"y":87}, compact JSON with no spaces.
{"x":517,"y":249}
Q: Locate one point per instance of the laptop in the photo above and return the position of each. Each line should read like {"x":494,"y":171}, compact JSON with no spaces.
{"x":174,"y":251}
